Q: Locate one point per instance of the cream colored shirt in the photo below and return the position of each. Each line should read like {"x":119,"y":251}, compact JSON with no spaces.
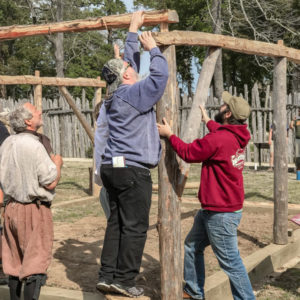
{"x":25,"y":168}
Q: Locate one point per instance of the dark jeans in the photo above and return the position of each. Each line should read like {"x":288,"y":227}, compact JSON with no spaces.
{"x":130,"y":191}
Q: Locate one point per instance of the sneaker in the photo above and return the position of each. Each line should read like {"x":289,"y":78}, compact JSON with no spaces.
{"x":104,"y":286}
{"x":130,"y":291}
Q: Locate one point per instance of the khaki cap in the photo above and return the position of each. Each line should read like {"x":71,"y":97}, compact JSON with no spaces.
{"x":239,"y":107}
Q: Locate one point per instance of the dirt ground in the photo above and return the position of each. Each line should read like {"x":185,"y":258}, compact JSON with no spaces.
{"x":77,"y":246}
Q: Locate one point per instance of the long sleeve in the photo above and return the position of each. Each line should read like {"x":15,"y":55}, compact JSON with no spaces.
{"x":144,"y":94}
{"x":132,"y":52}
{"x":197,"y":151}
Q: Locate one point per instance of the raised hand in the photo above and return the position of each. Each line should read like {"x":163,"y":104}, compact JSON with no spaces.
{"x":205,"y":117}
{"x":147,"y":40}
{"x":137,"y":21}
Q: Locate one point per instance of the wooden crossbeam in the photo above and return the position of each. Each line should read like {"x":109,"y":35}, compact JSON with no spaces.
{"x":101,"y":23}
{"x":194,"y":38}
{"x":53,"y":81}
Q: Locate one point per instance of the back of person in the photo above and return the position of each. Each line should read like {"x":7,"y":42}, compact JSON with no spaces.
{"x":133,"y":134}
{"x":221,"y":177}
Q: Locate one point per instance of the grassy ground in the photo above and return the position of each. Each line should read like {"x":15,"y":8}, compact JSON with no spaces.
{"x":74,"y":184}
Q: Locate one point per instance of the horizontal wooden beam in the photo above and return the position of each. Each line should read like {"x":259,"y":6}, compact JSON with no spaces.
{"x":101,"y":23}
{"x":54,"y":81}
{"x":194,"y":38}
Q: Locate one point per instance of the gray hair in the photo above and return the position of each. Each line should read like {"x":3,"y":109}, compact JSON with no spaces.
{"x":17,"y":118}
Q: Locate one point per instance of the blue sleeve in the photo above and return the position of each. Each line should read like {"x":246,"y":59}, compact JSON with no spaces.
{"x":144,"y":94}
{"x":132,"y":51}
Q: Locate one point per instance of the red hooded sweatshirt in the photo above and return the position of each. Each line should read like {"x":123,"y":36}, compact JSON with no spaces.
{"x":222,"y":152}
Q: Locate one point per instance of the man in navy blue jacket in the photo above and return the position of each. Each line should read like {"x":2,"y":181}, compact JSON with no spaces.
{"x":133,"y":147}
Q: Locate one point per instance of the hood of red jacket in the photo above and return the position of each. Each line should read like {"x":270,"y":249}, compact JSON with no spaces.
{"x":241,"y":132}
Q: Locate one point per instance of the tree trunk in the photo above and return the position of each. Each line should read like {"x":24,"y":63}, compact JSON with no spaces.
{"x":218,"y":75}
{"x":169,"y":217}
{"x":280,"y":154}
{"x":194,"y":120}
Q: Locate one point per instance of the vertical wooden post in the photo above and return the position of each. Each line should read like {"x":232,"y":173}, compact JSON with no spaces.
{"x":96,"y":187}
{"x":280,"y":226}
{"x":37,"y":98}
{"x":169,"y":217}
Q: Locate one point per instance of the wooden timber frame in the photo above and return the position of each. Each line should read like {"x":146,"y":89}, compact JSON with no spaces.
{"x":173,"y":174}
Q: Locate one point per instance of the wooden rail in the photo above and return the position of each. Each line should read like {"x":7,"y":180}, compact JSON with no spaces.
{"x":101,"y":23}
{"x":53,"y":81}
{"x":194,"y":38}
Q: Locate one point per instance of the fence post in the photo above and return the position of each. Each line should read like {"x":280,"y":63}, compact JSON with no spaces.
{"x":280,"y":150}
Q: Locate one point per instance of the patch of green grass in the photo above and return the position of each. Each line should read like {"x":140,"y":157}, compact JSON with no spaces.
{"x":78,"y":211}
{"x":74,"y":184}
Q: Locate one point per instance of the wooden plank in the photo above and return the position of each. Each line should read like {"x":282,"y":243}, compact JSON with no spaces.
{"x":280,"y":226}
{"x":253,"y":119}
{"x":56,"y":129}
{"x":169,"y":215}
{"x":37,"y":100}
{"x":265,"y":138}
{"x":194,"y":38}
{"x":100,"y":23}
{"x":80,"y":130}
{"x":51,"y":81}
{"x":259,"y":114}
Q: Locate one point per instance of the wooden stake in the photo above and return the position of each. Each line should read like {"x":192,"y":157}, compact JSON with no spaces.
{"x":79,"y":115}
{"x":37,"y":98}
{"x":280,"y":227}
{"x":169,"y":216}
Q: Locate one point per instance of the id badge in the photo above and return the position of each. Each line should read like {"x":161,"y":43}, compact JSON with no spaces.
{"x":118,"y":162}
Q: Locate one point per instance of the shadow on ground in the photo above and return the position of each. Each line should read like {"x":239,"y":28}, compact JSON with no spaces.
{"x":286,"y":286}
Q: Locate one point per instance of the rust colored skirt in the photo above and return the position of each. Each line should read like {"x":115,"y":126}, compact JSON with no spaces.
{"x":27,"y":239}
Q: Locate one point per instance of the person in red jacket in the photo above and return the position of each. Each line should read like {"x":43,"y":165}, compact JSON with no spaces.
{"x":221,"y":193}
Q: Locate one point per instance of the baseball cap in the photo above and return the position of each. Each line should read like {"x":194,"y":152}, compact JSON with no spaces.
{"x":111,"y":73}
{"x":239,"y":107}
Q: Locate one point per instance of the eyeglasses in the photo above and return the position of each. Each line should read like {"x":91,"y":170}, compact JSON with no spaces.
{"x":108,"y":75}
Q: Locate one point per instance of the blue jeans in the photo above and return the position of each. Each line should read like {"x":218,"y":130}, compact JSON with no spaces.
{"x":220,"y":231}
